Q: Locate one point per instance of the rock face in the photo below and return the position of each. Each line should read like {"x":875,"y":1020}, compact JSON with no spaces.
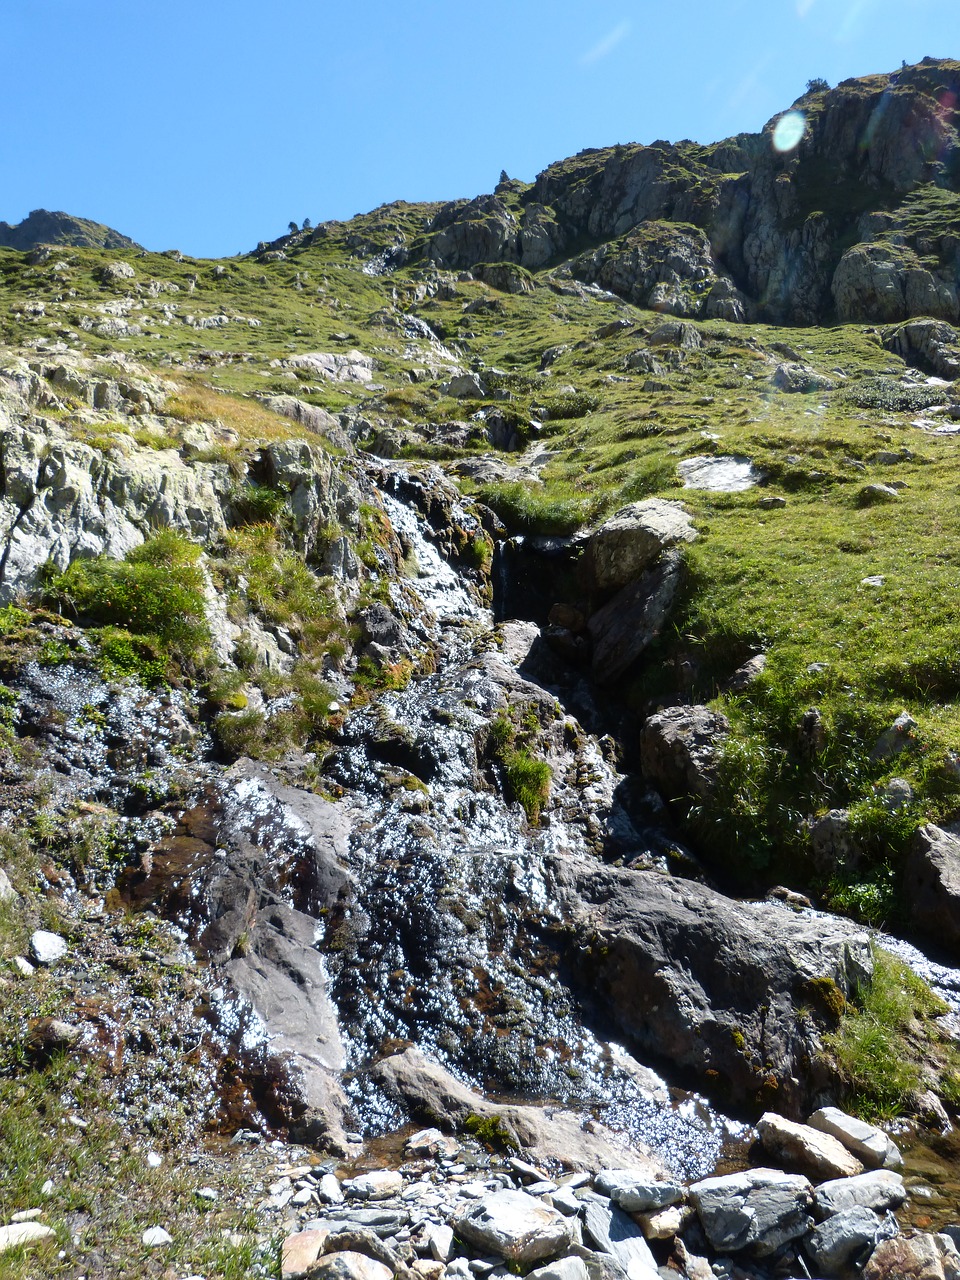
{"x":740,"y":229}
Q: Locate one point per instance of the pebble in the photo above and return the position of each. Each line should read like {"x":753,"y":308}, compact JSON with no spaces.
{"x":154,"y":1237}
{"x":47,"y":948}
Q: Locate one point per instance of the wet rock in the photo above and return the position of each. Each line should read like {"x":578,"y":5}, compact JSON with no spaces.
{"x":919,"y":1257}
{"x":431,"y":1142}
{"x":836,"y":1243}
{"x":799,"y":1146}
{"x":685,"y":972}
{"x":546,"y":1134}
{"x":514,"y":1226}
{"x":627,"y":544}
{"x":758,"y":1210}
{"x":633,"y":619}
{"x":635,"y":1193}
{"x":932,"y":886}
{"x":613,"y":1232}
{"x":871,"y":1145}
{"x":878,"y":1189}
{"x":678,"y":751}
{"x":47,"y":948}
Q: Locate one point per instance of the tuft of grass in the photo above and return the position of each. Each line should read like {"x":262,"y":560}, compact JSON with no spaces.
{"x":883,"y":1043}
{"x":526,"y":778}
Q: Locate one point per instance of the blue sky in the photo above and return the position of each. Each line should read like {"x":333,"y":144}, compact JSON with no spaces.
{"x":207,"y":125}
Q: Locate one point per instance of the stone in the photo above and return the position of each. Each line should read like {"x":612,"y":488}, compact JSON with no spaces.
{"x":347,"y":1265}
{"x":812,"y":1151}
{"x":329,"y":1190}
{"x":20,"y":1234}
{"x":431,"y":1142}
{"x":633,"y":619}
{"x":931,"y":884}
{"x":801,"y":378}
{"x":757,"y":1210}
{"x":514,"y":1226}
{"x":466,"y":386}
{"x":630,"y":542}
{"x":900,"y":737}
{"x":871,"y":1145}
{"x":299,"y":1252}
{"x":918,"y":1257}
{"x":440,"y":1242}
{"x":47,"y":948}
{"x":719,"y":474}
{"x":679,"y":751}
{"x":7,"y":891}
{"x":870,"y":495}
{"x":878,"y":1189}
{"x":381,"y":1184}
{"x":156,"y":1237}
{"x":570,"y":1268}
{"x":636,"y":1193}
{"x":664,"y":1224}
{"x":613,"y":1232}
{"x":835,"y":1243}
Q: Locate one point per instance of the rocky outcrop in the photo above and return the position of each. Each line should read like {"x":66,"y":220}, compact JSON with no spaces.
{"x":709,"y":984}
{"x":42,"y":227}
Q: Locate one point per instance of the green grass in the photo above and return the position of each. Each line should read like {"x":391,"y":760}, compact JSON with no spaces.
{"x":887,"y":1040}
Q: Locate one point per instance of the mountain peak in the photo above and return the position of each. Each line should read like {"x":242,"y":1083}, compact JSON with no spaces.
{"x":41,"y":226}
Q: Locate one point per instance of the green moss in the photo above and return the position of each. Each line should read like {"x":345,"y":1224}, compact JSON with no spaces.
{"x":491,"y":1131}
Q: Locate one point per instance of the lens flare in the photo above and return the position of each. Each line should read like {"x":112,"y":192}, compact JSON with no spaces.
{"x":788,"y":131}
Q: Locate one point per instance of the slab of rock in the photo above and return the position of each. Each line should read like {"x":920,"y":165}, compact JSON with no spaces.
{"x":919,"y":1257}
{"x":570,"y":1268}
{"x":546,"y":1134}
{"x":931,"y":885}
{"x":18,"y":1234}
{"x":635,"y":1193}
{"x":629,"y":542}
{"x":879,"y":1190}
{"x":757,"y":1210}
{"x":626,"y":625}
{"x":299,"y":1252}
{"x":613,"y":1232}
{"x":798,"y":1146}
{"x":679,"y":750}
{"x":875,"y":1148}
{"x":7,"y":891}
{"x":348,"y":1265}
{"x":835,"y":1243}
{"x":514,"y":1226}
{"x":47,"y":948}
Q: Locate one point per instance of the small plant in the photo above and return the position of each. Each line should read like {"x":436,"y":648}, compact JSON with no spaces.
{"x":526,"y":778}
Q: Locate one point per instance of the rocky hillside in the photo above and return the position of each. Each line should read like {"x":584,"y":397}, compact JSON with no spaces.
{"x":492,"y":666}
{"x":43,"y":227}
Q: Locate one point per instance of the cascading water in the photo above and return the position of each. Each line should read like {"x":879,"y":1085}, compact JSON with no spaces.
{"x":450,"y":945}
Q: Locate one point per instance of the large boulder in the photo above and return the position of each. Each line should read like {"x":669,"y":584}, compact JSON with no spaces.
{"x":757,"y":1210}
{"x":632,"y":620}
{"x":679,"y":751}
{"x":932,"y":886}
{"x":712,"y":985}
{"x":514,"y":1226}
{"x":798,"y":1146}
{"x":627,"y":544}
{"x":919,"y":1257}
{"x":871,"y":1145}
{"x":878,"y":1189}
{"x":835,"y":1243}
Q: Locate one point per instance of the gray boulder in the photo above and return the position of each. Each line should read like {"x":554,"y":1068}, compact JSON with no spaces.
{"x":633,"y":619}
{"x":932,"y":886}
{"x":878,"y":1189}
{"x":635,"y":1193}
{"x":834,"y":1244}
{"x":678,"y":751}
{"x":757,"y":1210}
{"x":706,"y":982}
{"x":871,"y":1145}
{"x":627,"y":544}
{"x":613,"y":1232}
{"x":514,"y":1226}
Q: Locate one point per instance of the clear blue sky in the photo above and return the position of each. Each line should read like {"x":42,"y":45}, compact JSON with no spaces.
{"x":206,"y":125}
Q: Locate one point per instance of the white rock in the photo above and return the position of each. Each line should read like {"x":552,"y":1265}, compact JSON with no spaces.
{"x":874,"y":1147}
{"x":154,"y":1237}
{"x":381,"y":1184}
{"x":514,"y":1226}
{"x":7,"y":891}
{"x":329,"y":1189}
{"x":562,"y":1269}
{"x":800,"y":1146}
{"x":349,"y":1266}
{"x":878,"y":1189}
{"x":24,"y":1233}
{"x":46,"y":947}
{"x":440,"y":1242}
{"x":24,"y":967}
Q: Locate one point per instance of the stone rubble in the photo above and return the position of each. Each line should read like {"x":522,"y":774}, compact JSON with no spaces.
{"x":455,"y":1212}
